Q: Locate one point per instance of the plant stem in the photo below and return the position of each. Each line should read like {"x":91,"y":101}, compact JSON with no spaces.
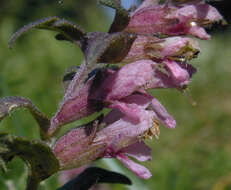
{"x":32,"y":183}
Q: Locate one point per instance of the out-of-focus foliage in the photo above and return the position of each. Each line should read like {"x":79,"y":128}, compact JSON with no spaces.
{"x":195,"y":155}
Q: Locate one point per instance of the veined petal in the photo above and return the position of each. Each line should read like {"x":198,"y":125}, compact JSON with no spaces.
{"x":142,"y":101}
{"x":136,"y":103}
{"x":162,"y":114}
{"x":130,"y":110}
{"x":179,"y":75}
{"x":166,"y":80}
{"x":148,"y":20}
{"x":125,"y":129}
{"x":126,"y":80}
{"x":139,"y":150}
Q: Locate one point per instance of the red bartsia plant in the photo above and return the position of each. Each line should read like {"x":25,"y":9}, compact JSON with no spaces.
{"x":149,"y":48}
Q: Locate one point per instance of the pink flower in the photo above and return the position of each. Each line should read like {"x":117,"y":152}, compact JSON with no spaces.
{"x":177,"y":48}
{"x":115,"y":137}
{"x":155,"y":62}
{"x":116,"y":86}
{"x":152,"y":63}
{"x":158,"y":58}
{"x":174,"y":20}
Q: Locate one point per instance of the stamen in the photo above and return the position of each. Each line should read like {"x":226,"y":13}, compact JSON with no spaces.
{"x":152,"y":131}
{"x":189,"y":97}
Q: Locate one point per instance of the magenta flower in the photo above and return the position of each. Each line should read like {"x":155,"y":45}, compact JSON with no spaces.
{"x":152,"y":63}
{"x":173,"y":20}
{"x":172,"y":54}
{"x":167,"y":66}
{"x":177,"y":48}
{"x":113,"y":88}
{"x":153,"y":52}
{"x":116,"y":137}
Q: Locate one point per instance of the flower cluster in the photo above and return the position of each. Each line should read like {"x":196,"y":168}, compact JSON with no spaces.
{"x":149,"y":48}
{"x":158,"y":57}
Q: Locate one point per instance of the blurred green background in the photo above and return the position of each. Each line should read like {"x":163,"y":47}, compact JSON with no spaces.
{"x":194,"y":156}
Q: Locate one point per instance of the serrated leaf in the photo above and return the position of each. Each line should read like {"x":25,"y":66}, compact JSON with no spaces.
{"x":39,"y":158}
{"x":94,"y":175}
{"x":68,"y":30}
{"x":10,"y":103}
{"x":122,"y":16}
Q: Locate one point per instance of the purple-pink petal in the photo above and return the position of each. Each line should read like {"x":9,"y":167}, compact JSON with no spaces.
{"x":138,"y":102}
{"x":130,"y":110}
{"x":162,"y":114}
{"x":148,"y":47}
{"x":179,"y":75}
{"x":171,"y":20}
{"x":126,"y":80}
{"x":139,"y":150}
{"x":72,"y":108}
{"x":78,"y":148}
{"x":137,"y":169}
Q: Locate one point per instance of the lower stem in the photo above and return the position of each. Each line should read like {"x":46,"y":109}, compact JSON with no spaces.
{"x":32,"y":183}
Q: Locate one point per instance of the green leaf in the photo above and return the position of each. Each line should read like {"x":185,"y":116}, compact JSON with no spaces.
{"x":67,"y":29}
{"x":10,"y":103}
{"x":122,"y":16}
{"x":94,"y":175}
{"x":39,"y":158}
{"x":3,"y":166}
